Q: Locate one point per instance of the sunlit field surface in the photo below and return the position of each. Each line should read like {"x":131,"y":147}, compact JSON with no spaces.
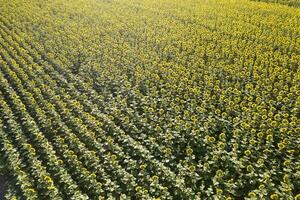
{"x":295,"y":3}
{"x":149,"y":99}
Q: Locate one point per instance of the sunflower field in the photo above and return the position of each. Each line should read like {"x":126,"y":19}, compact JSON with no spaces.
{"x":149,"y":99}
{"x":295,"y":3}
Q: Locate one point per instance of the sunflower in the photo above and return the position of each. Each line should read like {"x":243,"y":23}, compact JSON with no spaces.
{"x":248,"y":152}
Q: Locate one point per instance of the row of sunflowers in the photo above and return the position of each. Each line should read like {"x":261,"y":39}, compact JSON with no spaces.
{"x":142,"y":99}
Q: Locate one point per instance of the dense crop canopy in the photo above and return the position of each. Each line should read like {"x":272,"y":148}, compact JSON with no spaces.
{"x":294,"y":3}
{"x":150,"y":99}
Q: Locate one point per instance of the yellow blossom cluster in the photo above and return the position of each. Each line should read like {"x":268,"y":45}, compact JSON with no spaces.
{"x":150,"y":99}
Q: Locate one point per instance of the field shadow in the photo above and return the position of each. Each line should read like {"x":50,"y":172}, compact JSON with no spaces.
{"x":3,"y":186}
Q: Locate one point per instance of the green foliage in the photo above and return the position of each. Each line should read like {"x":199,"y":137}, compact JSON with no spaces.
{"x":293,"y":3}
{"x":144,"y":99}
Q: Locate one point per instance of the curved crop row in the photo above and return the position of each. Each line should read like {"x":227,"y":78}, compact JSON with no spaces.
{"x":150,"y":99}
